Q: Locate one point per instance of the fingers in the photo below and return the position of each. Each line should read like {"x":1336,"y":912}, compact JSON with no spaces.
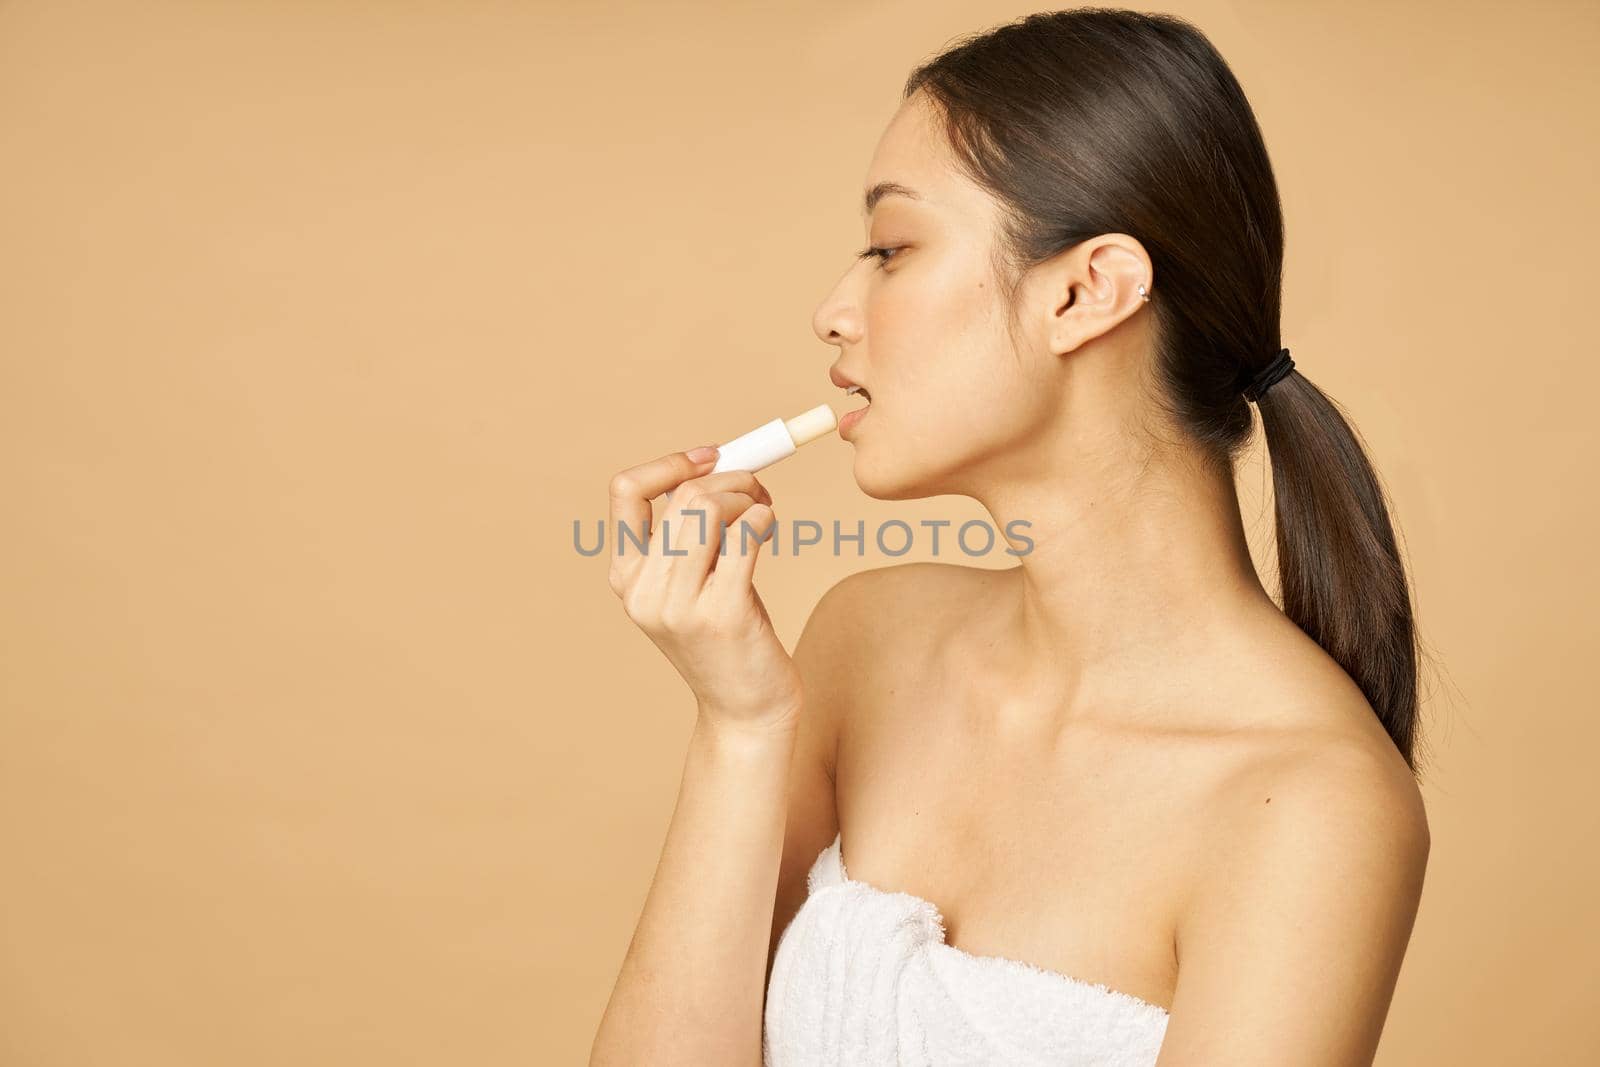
{"x":735,"y":571}
{"x":677,"y":529}
{"x":725,"y":481}
{"x":684,"y":497}
{"x":693,"y":553}
{"x":632,"y":490}
{"x":702,"y":523}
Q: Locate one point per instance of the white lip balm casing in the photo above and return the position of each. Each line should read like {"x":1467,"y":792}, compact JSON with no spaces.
{"x":775,"y":440}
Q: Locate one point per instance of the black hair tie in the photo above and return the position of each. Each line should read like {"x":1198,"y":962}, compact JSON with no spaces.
{"x":1270,"y":374}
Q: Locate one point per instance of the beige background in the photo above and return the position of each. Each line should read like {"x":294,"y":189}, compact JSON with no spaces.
{"x":321,"y":322}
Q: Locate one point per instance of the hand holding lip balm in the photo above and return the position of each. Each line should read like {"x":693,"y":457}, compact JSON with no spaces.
{"x":692,"y":592}
{"x":775,"y":440}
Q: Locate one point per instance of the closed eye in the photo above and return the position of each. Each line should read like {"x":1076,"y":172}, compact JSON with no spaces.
{"x":883,"y":254}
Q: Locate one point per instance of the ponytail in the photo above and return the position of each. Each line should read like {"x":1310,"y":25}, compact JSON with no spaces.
{"x":1342,"y":578}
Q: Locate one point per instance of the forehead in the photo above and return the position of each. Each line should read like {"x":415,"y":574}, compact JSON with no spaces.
{"x":911,"y":153}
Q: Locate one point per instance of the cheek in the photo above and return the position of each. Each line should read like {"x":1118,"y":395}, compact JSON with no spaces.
{"x":936,"y":331}
{"x":950,"y":381}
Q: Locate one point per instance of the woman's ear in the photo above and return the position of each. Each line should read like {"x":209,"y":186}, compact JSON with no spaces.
{"x":1093,"y":287}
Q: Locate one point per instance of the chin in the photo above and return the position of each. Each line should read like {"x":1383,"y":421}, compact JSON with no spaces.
{"x":890,"y":480}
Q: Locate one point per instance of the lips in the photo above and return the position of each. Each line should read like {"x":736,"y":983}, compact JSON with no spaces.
{"x":847,"y":423}
{"x":847,"y":383}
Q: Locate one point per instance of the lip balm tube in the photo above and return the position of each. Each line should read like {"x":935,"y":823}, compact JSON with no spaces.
{"x":775,"y":440}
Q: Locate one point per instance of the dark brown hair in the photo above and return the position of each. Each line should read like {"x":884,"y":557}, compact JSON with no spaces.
{"x":1100,"y":120}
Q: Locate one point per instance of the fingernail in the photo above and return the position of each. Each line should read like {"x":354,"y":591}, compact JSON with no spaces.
{"x":701,"y":454}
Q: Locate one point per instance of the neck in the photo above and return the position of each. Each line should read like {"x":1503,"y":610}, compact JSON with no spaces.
{"x":1133,"y":564}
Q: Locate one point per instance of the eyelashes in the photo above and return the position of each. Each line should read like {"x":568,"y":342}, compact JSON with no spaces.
{"x":883,"y":254}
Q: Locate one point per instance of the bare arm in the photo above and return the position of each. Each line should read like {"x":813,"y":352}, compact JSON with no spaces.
{"x":691,"y":987}
{"x":828,"y":656}
{"x":783,"y":810}
{"x":1292,"y":951}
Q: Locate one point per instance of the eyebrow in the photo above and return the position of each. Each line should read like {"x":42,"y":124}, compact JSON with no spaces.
{"x":883,"y":189}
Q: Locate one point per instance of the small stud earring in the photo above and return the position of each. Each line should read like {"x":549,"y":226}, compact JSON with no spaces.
{"x":1142,"y":294}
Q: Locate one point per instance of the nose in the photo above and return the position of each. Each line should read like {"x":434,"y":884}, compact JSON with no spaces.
{"x":837,"y":320}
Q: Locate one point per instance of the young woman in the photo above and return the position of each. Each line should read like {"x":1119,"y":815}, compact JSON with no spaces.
{"x":1108,"y":806}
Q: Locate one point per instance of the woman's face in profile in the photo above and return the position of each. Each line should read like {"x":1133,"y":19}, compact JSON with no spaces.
{"x":923,"y":327}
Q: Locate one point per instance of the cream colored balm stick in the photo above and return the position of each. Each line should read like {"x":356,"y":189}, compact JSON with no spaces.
{"x":775,"y":440}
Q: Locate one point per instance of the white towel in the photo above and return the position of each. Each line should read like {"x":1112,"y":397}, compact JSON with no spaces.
{"x":863,"y":977}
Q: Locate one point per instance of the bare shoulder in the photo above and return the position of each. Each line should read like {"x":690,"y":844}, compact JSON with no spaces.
{"x":1339,"y":793}
{"x":919,"y":583}
{"x":915,"y":598}
{"x":850,"y":613}
{"x":1318,"y":772}
{"x":1296,"y":928}
{"x":836,"y":644}
{"x":873,"y":623}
